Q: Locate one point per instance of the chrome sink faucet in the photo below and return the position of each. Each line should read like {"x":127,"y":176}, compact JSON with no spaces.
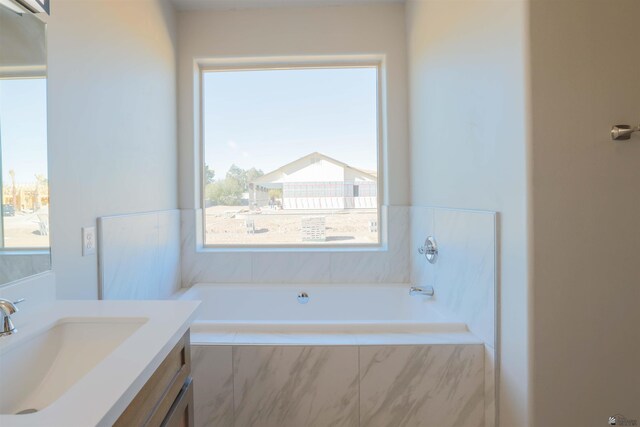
{"x":7,"y":308}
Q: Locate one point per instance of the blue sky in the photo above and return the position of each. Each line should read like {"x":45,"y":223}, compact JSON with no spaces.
{"x":268,"y":118}
{"x":23,"y":128}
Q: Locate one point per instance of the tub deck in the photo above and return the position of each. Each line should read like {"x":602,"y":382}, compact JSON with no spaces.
{"x":340,"y":315}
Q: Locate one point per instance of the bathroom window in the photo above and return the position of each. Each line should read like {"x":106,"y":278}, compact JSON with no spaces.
{"x":291,"y":156}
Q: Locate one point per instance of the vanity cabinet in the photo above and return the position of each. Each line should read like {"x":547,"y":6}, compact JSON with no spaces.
{"x":167,"y":397}
{"x":181,"y":412}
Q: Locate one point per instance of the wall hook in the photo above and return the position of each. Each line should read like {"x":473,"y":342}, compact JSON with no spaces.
{"x":623,"y":132}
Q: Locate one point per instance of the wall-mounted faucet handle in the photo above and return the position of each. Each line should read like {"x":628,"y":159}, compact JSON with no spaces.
{"x":429,"y":250}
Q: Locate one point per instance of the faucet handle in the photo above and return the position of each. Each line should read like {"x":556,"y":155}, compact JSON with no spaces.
{"x":429,"y":249}
{"x":18,"y":301}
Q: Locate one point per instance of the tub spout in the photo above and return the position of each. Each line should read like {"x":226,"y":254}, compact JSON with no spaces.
{"x":427,"y":290}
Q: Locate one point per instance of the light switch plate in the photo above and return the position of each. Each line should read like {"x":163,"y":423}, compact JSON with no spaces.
{"x":89,"y":241}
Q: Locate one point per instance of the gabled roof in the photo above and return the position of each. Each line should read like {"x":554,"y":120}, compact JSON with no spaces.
{"x":303,"y":162}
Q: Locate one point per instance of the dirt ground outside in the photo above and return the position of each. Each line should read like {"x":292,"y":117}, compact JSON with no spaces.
{"x":231,"y":225}
{"x":23,"y":231}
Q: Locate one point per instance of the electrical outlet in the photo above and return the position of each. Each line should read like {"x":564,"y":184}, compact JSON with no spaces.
{"x":89,"y":241}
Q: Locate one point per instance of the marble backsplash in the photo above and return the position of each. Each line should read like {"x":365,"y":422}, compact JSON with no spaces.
{"x":387,"y":265}
{"x":464,"y":276}
{"x":139,"y":255}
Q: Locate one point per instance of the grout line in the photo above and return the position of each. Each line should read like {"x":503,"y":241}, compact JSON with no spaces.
{"x":359,"y":392}
{"x":233,"y":386}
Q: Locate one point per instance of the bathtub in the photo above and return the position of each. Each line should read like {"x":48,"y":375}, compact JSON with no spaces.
{"x":352,"y":356}
{"x":331,"y":315}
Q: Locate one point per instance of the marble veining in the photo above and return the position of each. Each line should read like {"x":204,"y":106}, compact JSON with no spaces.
{"x":139,"y":255}
{"x":388,"y":266}
{"x":301,"y":267}
{"x":464,"y":277}
{"x":213,"y":388}
{"x":168,"y":258}
{"x":465,"y":273}
{"x":295,"y":386}
{"x":422,"y":386}
{"x":438,"y":385}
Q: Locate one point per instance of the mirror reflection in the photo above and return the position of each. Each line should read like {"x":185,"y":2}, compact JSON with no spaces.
{"x":24,"y":184}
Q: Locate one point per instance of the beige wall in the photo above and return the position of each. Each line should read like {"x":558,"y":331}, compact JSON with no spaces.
{"x":468,"y":80}
{"x":285,"y":32}
{"x":112,"y":122}
{"x":291,"y":31}
{"x":586,"y":198}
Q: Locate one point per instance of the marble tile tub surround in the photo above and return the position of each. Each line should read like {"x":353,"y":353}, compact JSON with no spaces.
{"x":417,"y":386}
{"x":290,"y":266}
{"x":139,"y":255}
{"x":464,"y":276}
{"x":212,"y":366}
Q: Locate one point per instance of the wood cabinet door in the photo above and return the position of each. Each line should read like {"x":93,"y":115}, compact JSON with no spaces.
{"x":181,"y":412}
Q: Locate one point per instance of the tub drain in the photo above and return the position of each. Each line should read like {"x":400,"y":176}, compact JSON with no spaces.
{"x":303,"y":298}
{"x":27,"y":411}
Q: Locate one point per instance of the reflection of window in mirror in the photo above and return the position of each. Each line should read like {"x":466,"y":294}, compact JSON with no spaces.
{"x":23,"y":151}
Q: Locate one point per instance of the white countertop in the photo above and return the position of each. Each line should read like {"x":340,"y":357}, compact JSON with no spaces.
{"x":99,"y":397}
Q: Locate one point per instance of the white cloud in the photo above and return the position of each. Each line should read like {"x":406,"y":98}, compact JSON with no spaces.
{"x":232,"y":144}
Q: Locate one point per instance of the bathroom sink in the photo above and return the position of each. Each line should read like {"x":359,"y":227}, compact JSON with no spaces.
{"x":81,"y":363}
{"x":39,"y":368}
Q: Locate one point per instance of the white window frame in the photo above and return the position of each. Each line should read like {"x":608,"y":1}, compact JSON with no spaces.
{"x":203,"y":66}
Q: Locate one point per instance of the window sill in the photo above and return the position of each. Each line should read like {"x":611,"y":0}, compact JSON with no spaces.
{"x":26,"y":251}
{"x":293,"y":249}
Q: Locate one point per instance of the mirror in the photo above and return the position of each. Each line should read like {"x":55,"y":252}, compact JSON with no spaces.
{"x":24,"y":228}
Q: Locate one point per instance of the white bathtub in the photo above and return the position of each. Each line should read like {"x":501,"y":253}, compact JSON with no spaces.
{"x":240,"y":314}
